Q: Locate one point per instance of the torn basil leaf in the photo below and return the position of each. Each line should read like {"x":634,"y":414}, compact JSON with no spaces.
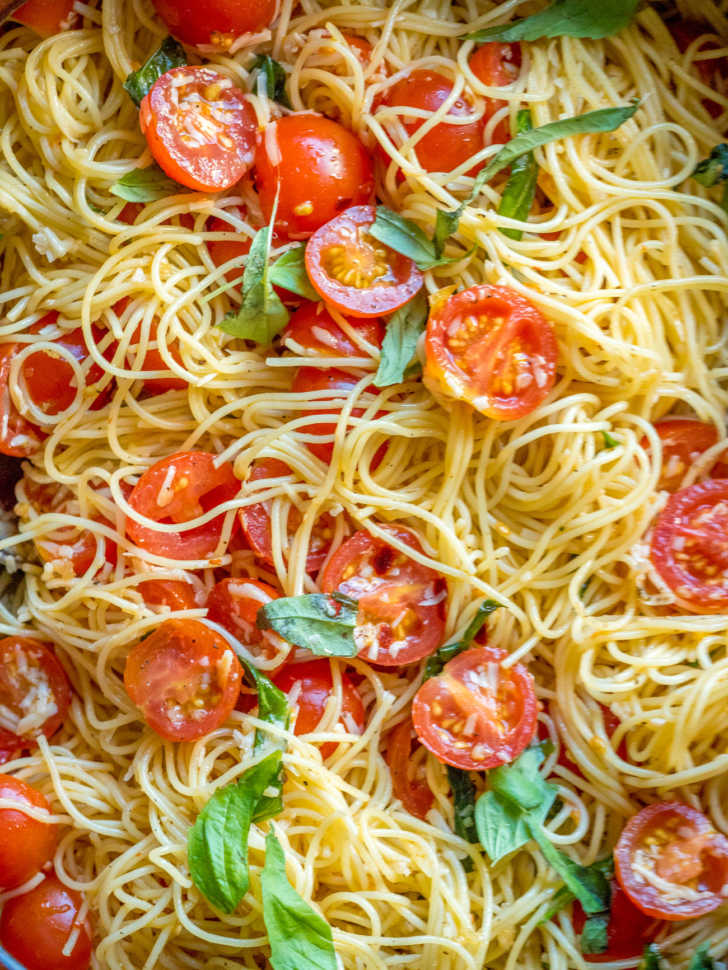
{"x":594,"y":935}
{"x":463,"y":791}
{"x":274,"y":77}
{"x":289,"y":272}
{"x":437,"y":660}
{"x":146,"y":185}
{"x":520,"y":190}
{"x":713,"y":170}
{"x":651,"y":958}
{"x":400,"y":340}
{"x":322,"y":623}
{"x":566,"y":18}
{"x":169,"y":54}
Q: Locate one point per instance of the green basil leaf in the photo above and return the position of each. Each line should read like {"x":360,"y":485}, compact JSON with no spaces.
{"x":703,"y":961}
{"x":594,"y":935}
{"x":609,"y":440}
{"x":405,"y":237}
{"x":169,"y":54}
{"x":289,"y":272}
{"x":714,"y":168}
{"x":403,"y":331}
{"x":217,"y":848}
{"x":564,"y":896}
{"x":520,"y":782}
{"x":587,"y":884}
{"x":322,"y":623}
{"x":437,"y":660}
{"x":145,"y":185}
{"x":275,"y":78}
{"x":651,"y":958}
{"x":463,"y":791}
{"x":520,"y":190}
{"x":566,"y":18}
{"x":501,"y":825}
{"x":298,"y":936}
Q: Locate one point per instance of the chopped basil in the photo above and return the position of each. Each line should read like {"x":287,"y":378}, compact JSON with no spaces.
{"x":713,"y":170}
{"x":463,"y":791}
{"x":275,"y":78}
{"x":594,"y":935}
{"x":145,"y":185}
{"x":322,"y":623}
{"x":169,"y":54}
{"x":437,"y":660}
{"x":520,"y":189}
{"x":289,"y":272}
{"x":651,"y":958}
{"x":609,"y":440}
{"x":566,"y":18}
{"x":403,"y":331}
{"x":587,"y":884}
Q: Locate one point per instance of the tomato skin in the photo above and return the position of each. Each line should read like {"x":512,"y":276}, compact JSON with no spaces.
{"x":35,"y":927}
{"x":46,"y":17}
{"x":323,"y":170}
{"x":175,"y":594}
{"x":174,"y":106}
{"x":683,"y":442}
{"x":384,"y":280}
{"x":414,"y":793}
{"x":611,"y":723}
{"x":234,"y":604}
{"x":505,"y":723}
{"x":496,"y":64}
{"x":713,"y":71}
{"x":680,"y":845}
{"x":502,"y":357}
{"x":196,"y":485}
{"x":629,"y":930}
{"x":18,"y":436}
{"x":313,"y":328}
{"x":390,"y":588}
{"x":307,"y":379}
{"x":216,"y":22}
{"x":26,"y":843}
{"x":316,"y":686}
{"x":223,"y":250}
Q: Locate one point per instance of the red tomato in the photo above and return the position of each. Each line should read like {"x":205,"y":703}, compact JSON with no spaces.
{"x":256,"y":522}
{"x":234,"y":604}
{"x":413,"y":792}
{"x":674,"y":844}
{"x":309,"y":686}
{"x":629,"y":930}
{"x":496,"y":65}
{"x":46,"y":17}
{"x":35,"y":928}
{"x":689,"y":547}
{"x":313,"y":328}
{"x":402,"y":604}
{"x":177,"y":489}
{"x":216,"y":22}
{"x":33,"y":684}
{"x":26,"y":843}
{"x":175,"y":594}
{"x":18,"y":436}
{"x":185,"y":678}
{"x":477,"y":714}
{"x":611,"y":723}
{"x":223,"y":250}
{"x":317,"y":167}
{"x":153,"y":360}
{"x":354,"y":272}
{"x":713,"y":71}
{"x":489,"y":346}
{"x":200,"y":128}
{"x":683,"y":442}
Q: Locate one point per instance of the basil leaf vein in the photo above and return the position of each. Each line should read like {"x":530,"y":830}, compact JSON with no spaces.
{"x":169,"y":54}
{"x":566,"y":18}
{"x":145,"y":185}
{"x":520,"y":190}
{"x":403,"y":331}
{"x":322,"y":623}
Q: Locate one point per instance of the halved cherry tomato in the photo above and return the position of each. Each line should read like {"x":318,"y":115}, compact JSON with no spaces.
{"x":689,"y":547}
{"x":200,"y":128}
{"x":477,"y":714}
{"x":174,"y":594}
{"x":413,"y":792}
{"x":629,"y":930}
{"x":317,"y":168}
{"x":683,"y":442}
{"x":309,"y":686}
{"x":18,"y":436}
{"x":215,"y":22}
{"x":402,"y":604}
{"x":713,"y":71}
{"x":177,"y":489}
{"x":26,"y":842}
{"x":313,"y":328}
{"x":489,"y":346}
{"x":496,"y":64}
{"x":672,"y":863}
{"x":256,"y":521}
{"x":185,"y":678}
{"x":36,"y":927}
{"x":33,"y":686}
{"x":354,"y":272}
{"x":46,"y":17}
{"x":234,"y":604}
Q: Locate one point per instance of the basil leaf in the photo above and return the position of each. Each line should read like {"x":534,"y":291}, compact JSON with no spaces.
{"x":713,"y":170}
{"x":405,"y":236}
{"x":289,"y":271}
{"x":463,"y":791}
{"x":521,"y":783}
{"x":273,"y":708}
{"x":651,"y":958}
{"x":217,"y":848}
{"x":145,"y":185}
{"x":703,"y":961}
{"x":587,"y":884}
{"x":566,"y":18}
{"x":169,"y":54}
{"x":437,"y":660}
{"x":298,"y":936}
{"x":275,"y":78}
{"x":520,"y":190}
{"x":322,"y":623}
{"x":594,"y":934}
{"x":564,"y":896}
{"x":501,"y":825}
{"x":403,"y":331}
{"x":609,"y":440}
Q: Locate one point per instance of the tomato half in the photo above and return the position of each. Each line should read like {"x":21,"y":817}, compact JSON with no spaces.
{"x":185,"y":678}
{"x":672,"y":863}
{"x":412,"y":791}
{"x":200,"y":128}
{"x":496,"y":65}
{"x":317,"y":168}
{"x":629,"y":930}
{"x":177,"y":489}
{"x":689,"y":547}
{"x":491,"y":347}
{"x":35,"y":928}
{"x":234,"y":604}
{"x":477,"y":714}
{"x":402,"y":604}
{"x":26,"y":843}
{"x":354,"y":272}
{"x":314,"y":329}
{"x":215,"y":22}
{"x":18,"y":436}
{"x":34,"y":691}
{"x":46,"y":17}
{"x":309,"y":686}
{"x":172,"y":594}
{"x":683,"y":442}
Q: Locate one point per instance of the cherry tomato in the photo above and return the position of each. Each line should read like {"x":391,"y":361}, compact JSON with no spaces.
{"x":177,"y":489}
{"x":256,"y":521}
{"x":413,"y":792}
{"x":402,"y":604}
{"x":317,"y":167}
{"x":477,"y":714}
{"x":174,"y":594}
{"x":200,"y":128}
{"x":46,"y":17}
{"x":223,"y":250}
{"x":234,"y":604}
{"x":629,"y":930}
{"x":354,"y":272}
{"x":683,"y":442}
{"x":309,"y":686}
{"x":215,"y":22}
{"x":489,"y":346}
{"x":26,"y":843}
{"x":713,"y":71}
{"x":185,"y":678}
{"x":36,"y":927}
{"x":672,"y":863}
{"x":153,"y":360}
{"x":313,"y":328}
{"x":496,"y":65}
{"x":34,"y":690}
{"x":18,"y":436}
